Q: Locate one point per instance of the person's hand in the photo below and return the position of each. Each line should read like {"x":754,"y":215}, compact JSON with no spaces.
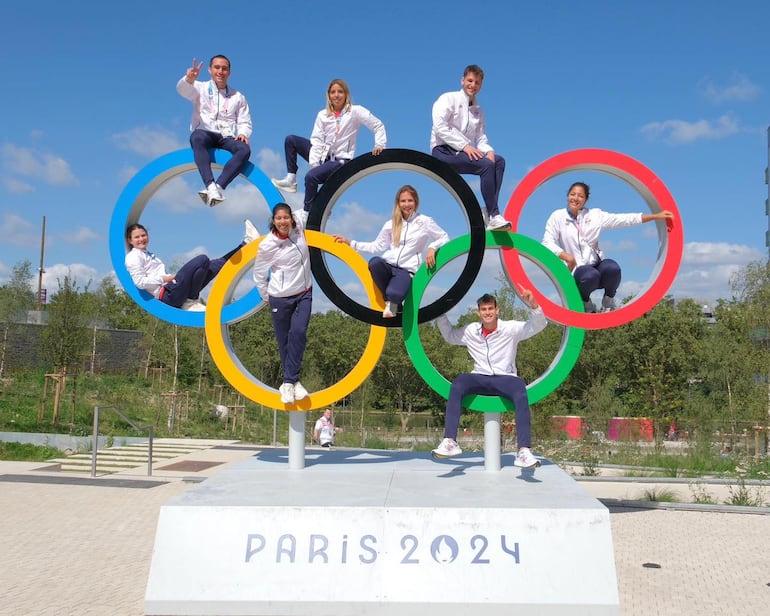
{"x":341,"y":239}
{"x":243,"y":138}
{"x":168,"y":278}
{"x":569,"y":260}
{"x":491,"y":155}
{"x":430,"y":257}
{"x":669,"y":218}
{"x":192,"y":72}
{"x":377,"y":150}
{"x":527,"y":297}
{"x":473,"y":152}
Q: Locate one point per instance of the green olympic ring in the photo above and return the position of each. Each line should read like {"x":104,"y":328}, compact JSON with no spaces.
{"x":572,"y":339}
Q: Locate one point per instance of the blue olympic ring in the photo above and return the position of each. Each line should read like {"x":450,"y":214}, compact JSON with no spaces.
{"x":129,"y":208}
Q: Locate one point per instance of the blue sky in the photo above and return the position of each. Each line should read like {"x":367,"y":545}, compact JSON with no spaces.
{"x":679,"y":86}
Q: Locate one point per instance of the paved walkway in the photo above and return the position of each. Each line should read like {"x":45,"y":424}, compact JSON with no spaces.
{"x":84,"y":547}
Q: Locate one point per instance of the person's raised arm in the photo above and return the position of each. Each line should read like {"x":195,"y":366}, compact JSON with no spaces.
{"x":664,"y":215}
{"x":185,"y":86}
{"x":453,"y":335}
{"x":380,"y":243}
{"x":192,"y":73}
{"x":537,"y":321}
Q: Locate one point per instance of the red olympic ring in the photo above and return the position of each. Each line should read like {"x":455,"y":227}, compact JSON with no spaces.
{"x":657,"y":197}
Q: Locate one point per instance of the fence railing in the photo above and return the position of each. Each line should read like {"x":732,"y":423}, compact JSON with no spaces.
{"x":95,"y":444}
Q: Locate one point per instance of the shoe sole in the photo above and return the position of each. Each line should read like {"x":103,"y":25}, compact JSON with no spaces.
{"x":535,"y":465}
{"x":215,"y":202}
{"x":506,"y":227}
{"x":285,"y":188}
{"x":444,"y":456}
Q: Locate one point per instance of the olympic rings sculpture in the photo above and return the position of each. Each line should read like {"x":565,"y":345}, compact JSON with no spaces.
{"x":131,"y":205}
{"x":572,"y":340}
{"x":408,"y":160}
{"x":513,"y":246}
{"x":657,"y":197}
{"x":246,"y":383}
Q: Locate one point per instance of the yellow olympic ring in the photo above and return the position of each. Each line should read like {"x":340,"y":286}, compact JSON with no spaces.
{"x":218,"y":337}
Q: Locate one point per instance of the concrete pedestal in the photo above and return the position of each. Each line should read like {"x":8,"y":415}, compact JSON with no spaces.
{"x":380,"y":533}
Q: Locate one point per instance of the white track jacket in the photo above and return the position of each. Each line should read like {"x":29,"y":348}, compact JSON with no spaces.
{"x":285,"y":261}
{"x":494,"y":354}
{"x":227,"y":114}
{"x":417,"y":234}
{"x":335,"y":137}
{"x":580,"y":237}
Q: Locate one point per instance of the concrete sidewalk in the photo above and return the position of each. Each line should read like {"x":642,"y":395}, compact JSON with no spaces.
{"x":84,"y":546}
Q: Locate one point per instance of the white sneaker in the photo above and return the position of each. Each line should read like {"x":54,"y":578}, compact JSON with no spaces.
{"x":525,"y":459}
{"x":391,"y":310}
{"x":589,"y":306}
{"x":287,"y":393}
{"x":448,"y":449}
{"x":498,"y":223}
{"x":214,"y":192}
{"x":194,"y":305}
{"x":204,"y":195}
{"x":608,"y":304}
{"x":300,"y":393}
{"x":285,"y":184}
{"x":251,"y":232}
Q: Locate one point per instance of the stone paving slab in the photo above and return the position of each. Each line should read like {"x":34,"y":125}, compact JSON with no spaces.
{"x":86,"y":550}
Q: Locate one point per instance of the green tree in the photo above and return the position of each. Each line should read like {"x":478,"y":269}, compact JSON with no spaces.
{"x":15,"y":297}
{"x":66,"y":336}
{"x":116,"y":308}
{"x":751,"y":288}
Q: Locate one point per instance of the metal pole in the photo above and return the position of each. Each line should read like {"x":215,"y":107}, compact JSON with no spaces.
{"x":297,"y":440}
{"x":151,"y":431}
{"x":40,"y":270}
{"x":275,"y":427}
{"x":95,"y":441}
{"x":492,"y":442}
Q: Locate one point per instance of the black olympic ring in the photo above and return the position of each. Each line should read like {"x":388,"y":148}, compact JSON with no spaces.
{"x":409,"y":160}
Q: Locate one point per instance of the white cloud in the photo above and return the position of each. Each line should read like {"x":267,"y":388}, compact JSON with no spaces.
{"x":28,"y":162}
{"x":679,"y":131}
{"x":706,"y":270}
{"x":244,"y":201}
{"x":84,"y":276}
{"x":271,"y":163}
{"x":609,"y":247}
{"x":177,"y":261}
{"x":83,"y":235}
{"x":147,"y":141}
{"x":16,"y":186}
{"x":177,"y":196}
{"x":354,"y":222}
{"x":715,"y":253}
{"x":739,"y":89}
{"x":126,"y":173}
{"x":17,"y":231}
